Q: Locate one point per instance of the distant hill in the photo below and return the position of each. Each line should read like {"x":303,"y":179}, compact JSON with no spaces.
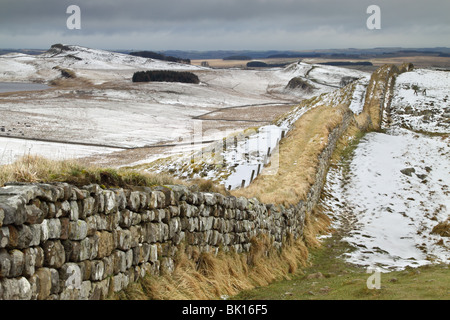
{"x":237,"y":58}
{"x":349,"y":53}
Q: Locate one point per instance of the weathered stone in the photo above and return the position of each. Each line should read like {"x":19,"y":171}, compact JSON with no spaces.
{"x":134,"y":201}
{"x":121,"y":199}
{"x":91,"y":225}
{"x":192,"y":198}
{"x":20,"y":236}
{"x":30,"y":255}
{"x":136,"y":235}
{"x":70,"y":276}
{"x":64,"y":210}
{"x":54,"y":228}
{"x":74,"y":214}
{"x":100,"y":290}
{"x":64,"y":225}
{"x":4,"y":237}
{"x":210,"y":199}
{"x":153,"y":232}
{"x":77,"y":230}
{"x":16,"y":289}
{"x":129,"y":258}
{"x":54,"y":254}
{"x":101,"y":222}
{"x":105,"y":244}
{"x":167,"y":265}
{"x":110,"y":201}
{"x":119,"y":282}
{"x":100,"y":202}
{"x":156,"y":200}
{"x":36,"y":235}
{"x":166,"y":197}
{"x":52,"y":211}
{"x":34,"y":215}
{"x":92,"y":189}
{"x":70,"y":294}
{"x":122,"y":239}
{"x":120,"y":263}
{"x":174,"y":227}
{"x":55,"y":281}
{"x":98,"y":270}
{"x":125,"y":218}
{"x":17,"y":263}
{"x":153,"y":256}
{"x":88,"y":205}
{"x":2,"y":217}
{"x":5,"y":263}
{"x":77,"y":194}
{"x":86,"y":269}
{"x":85,"y":290}
{"x":77,"y":251}
{"x":14,"y":211}
{"x":108,"y":263}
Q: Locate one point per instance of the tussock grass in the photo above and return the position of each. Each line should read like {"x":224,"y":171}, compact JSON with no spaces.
{"x":205,"y":276}
{"x":442,"y":228}
{"x":38,"y":169}
{"x":298,"y":158}
{"x":211,"y":276}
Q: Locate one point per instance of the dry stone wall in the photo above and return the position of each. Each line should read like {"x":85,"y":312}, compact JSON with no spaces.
{"x":61,"y":242}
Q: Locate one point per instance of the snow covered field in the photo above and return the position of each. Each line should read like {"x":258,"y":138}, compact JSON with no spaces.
{"x":107,"y":109}
{"x":395,"y":189}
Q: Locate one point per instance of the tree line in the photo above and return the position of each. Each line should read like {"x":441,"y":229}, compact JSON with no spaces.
{"x":165,"y":76}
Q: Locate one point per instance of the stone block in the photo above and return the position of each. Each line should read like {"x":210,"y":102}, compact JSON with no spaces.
{"x":98,"y":270}
{"x":4,"y":237}
{"x":5,"y":263}
{"x":77,"y":230}
{"x":16,"y":289}
{"x":105,"y":244}
{"x":54,"y":254}
{"x":122,"y":239}
{"x":34,"y":214}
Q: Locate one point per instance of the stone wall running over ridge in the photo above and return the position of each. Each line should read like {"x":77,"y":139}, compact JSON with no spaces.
{"x":61,"y":242}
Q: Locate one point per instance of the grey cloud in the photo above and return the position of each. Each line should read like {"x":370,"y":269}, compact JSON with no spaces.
{"x":227,"y":19}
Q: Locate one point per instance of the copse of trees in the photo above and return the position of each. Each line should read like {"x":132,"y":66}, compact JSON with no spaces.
{"x":165,"y":76}
{"x":257,"y":64}
{"x":159,"y":56}
{"x":260,"y":64}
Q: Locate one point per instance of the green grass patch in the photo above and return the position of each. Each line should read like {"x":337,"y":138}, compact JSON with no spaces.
{"x":331,"y":278}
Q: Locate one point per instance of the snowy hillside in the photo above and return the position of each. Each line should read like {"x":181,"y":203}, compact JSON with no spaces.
{"x":422,"y":101}
{"x":394,"y":192}
{"x":86,"y":62}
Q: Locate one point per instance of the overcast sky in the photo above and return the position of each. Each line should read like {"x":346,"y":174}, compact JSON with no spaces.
{"x":225,"y":24}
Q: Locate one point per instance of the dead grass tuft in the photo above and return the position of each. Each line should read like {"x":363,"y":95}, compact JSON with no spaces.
{"x":36,"y":169}
{"x":211,"y":276}
{"x":442,"y":229}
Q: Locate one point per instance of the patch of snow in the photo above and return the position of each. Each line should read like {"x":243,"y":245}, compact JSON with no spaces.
{"x":427,"y":110}
{"x":392,"y":213}
{"x":359,"y":95}
{"x":12,"y":149}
